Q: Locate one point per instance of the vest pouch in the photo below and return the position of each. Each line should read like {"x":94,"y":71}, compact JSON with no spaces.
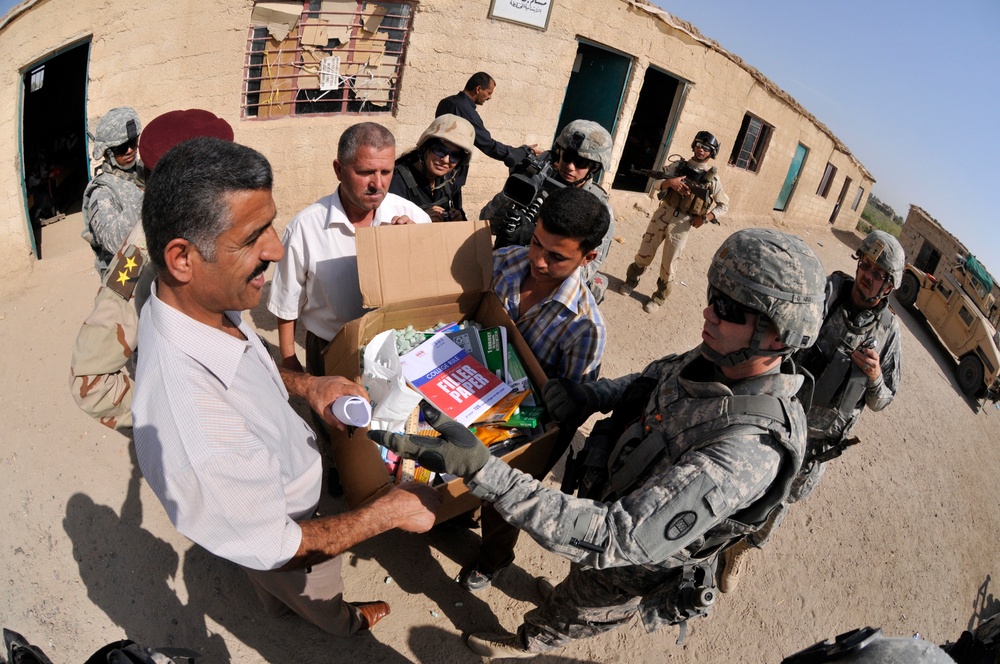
{"x":689,"y":594}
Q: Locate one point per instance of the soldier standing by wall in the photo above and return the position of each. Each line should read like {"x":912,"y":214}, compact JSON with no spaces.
{"x":102,"y":368}
{"x":112,"y":202}
{"x":690,"y":195}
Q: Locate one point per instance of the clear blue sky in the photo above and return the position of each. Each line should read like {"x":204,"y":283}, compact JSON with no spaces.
{"x":911,"y":88}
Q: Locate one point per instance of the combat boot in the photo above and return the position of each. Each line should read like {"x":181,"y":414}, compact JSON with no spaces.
{"x":631,"y":279}
{"x":734,"y":559}
{"x":494,"y":646}
{"x":663,"y":289}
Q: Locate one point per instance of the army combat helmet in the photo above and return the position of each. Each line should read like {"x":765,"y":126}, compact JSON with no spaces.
{"x":117,"y":127}
{"x":868,"y":646}
{"x":588,"y":139}
{"x":885,"y":251}
{"x":706,"y":139}
{"x":452,"y":128}
{"x":776,"y":275}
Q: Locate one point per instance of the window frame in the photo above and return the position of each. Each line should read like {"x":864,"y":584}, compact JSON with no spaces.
{"x":857,"y":199}
{"x":758,"y":132}
{"x":282,"y":79}
{"x":826,"y":182}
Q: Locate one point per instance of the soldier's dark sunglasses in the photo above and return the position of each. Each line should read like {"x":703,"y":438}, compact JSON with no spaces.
{"x":728,"y":309}
{"x":573,"y":157}
{"x":121,"y":150}
{"x":441,"y":151}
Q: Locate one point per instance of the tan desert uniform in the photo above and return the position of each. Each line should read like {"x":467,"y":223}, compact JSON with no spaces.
{"x":103,"y":365}
{"x":672,"y":221}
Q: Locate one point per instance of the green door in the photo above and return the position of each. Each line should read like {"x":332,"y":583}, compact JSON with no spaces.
{"x":793,"y":175}
{"x":595,"y":87}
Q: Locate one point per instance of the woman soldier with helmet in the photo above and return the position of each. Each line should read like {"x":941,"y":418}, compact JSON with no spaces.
{"x":431,"y":175}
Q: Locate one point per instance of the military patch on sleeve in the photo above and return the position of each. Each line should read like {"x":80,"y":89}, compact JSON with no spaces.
{"x":680,"y":525}
{"x":123,"y":277}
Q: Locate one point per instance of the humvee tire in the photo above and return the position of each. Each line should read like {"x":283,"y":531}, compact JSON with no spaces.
{"x":907,"y":291}
{"x":970,"y":376}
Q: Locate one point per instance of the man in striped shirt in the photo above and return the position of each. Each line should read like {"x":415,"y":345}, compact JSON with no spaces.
{"x":235,"y":467}
{"x":542,"y":289}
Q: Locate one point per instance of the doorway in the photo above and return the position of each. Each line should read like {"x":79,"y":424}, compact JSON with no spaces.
{"x":791,"y":178}
{"x":928,"y":258}
{"x":651,"y":129}
{"x":840,"y":199}
{"x":54,"y":138}
{"x":595,"y":87}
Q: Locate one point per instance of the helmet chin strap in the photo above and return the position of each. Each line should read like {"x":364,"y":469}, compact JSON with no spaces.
{"x":748,"y":353}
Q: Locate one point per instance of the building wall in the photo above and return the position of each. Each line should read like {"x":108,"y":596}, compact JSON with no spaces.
{"x":920,"y":227}
{"x":165,"y":56}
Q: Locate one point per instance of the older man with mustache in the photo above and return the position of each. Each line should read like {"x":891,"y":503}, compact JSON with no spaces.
{"x":317,"y":280}
{"x":235,"y":467}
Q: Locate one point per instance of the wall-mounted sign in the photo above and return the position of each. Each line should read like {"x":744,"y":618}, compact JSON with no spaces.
{"x":533,"y":13}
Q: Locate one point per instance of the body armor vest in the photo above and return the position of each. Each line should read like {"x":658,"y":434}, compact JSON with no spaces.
{"x":675,"y":422}
{"x":839,"y":382}
{"x":701,"y":200}
{"x":416,"y":194}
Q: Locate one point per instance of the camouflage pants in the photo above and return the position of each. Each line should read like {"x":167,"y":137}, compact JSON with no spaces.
{"x":805,"y":482}
{"x":589,"y":602}
{"x":663,"y":225}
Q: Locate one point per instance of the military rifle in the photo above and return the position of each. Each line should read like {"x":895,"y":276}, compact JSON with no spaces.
{"x":693,"y":178}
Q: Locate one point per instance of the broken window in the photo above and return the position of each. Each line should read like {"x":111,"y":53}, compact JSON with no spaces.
{"x":824,"y":184}
{"x":751,"y":143}
{"x":324,"y":56}
{"x":857,"y":198}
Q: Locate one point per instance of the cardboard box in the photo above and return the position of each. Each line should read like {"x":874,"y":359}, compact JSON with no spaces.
{"x":421,"y":275}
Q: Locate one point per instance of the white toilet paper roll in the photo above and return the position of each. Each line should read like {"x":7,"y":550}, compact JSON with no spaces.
{"x":352,"y":411}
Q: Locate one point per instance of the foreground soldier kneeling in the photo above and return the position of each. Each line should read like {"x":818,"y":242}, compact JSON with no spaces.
{"x":700,"y":447}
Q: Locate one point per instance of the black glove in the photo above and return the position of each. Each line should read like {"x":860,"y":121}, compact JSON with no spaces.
{"x":457,"y":451}
{"x":569,"y":403}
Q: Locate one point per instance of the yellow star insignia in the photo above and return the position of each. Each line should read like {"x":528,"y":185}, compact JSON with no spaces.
{"x":129,"y":264}
{"x":122,"y":277}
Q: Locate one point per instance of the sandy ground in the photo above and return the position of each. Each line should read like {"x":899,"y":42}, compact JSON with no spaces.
{"x":901,"y":534}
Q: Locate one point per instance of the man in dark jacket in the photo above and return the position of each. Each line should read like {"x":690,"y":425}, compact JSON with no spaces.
{"x":478,"y":90}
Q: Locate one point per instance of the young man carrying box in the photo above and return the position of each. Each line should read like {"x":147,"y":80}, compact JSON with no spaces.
{"x":542,"y":289}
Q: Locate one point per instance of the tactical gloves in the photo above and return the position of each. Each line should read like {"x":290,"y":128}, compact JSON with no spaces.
{"x":457,"y":451}
{"x":569,"y":403}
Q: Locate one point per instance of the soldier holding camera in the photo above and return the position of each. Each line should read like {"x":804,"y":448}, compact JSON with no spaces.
{"x":690,"y":195}
{"x":580,"y":152}
{"x":856,"y":362}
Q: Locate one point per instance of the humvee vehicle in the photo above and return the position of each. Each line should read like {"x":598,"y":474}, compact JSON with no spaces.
{"x":958,"y":307}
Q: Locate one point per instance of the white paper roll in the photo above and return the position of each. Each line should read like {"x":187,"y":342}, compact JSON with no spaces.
{"x":352,"y":411}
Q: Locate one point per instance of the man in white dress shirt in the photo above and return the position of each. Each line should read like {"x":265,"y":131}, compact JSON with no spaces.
{"x":317,"y":280}
{"x":237,"y":470}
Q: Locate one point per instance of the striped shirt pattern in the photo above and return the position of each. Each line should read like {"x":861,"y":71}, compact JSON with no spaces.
{"x":565,"y":331}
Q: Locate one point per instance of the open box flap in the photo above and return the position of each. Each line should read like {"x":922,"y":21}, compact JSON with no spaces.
{"x":416,"y":261}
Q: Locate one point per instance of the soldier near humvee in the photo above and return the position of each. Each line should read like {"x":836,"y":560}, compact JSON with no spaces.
{"x":856,"y":363}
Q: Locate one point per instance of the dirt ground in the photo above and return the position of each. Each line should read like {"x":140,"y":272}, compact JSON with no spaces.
{"x":901,"y":534}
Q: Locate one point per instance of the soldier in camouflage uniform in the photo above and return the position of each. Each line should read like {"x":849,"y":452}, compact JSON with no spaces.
{"x":103,"y":366}
{"x":699,"y":449}
{"x":690,"y":195}
{"x":581,"y":151}
{"x":112,"y":202}
{"x":856,"y":362}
